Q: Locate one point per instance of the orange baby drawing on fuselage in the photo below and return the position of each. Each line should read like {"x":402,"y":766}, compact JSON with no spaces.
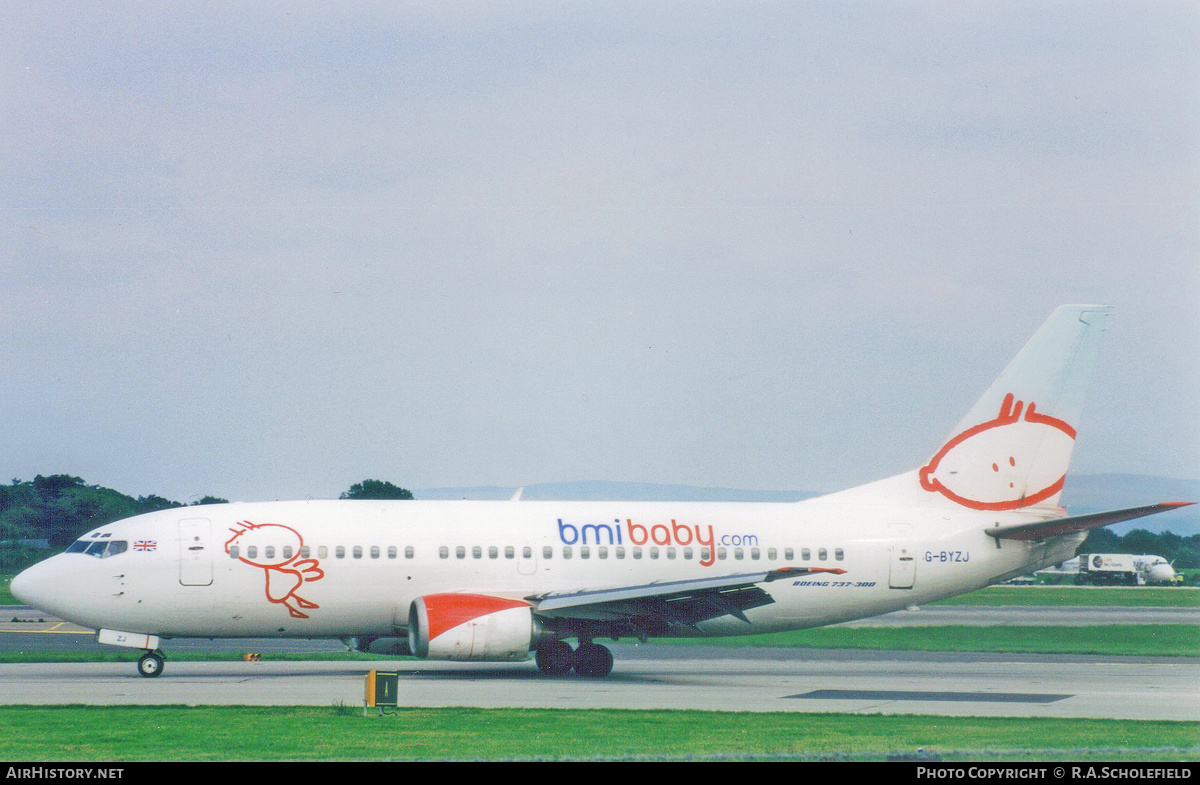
{"x":1005,"y":463}
{"x":276,"y":549}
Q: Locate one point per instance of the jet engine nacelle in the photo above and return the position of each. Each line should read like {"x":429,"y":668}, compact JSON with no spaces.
{"x":470,"y":627}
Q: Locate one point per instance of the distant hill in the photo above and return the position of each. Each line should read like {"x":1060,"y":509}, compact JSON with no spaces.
{"x":1083,"y":493}
{"x":1086,"y":493}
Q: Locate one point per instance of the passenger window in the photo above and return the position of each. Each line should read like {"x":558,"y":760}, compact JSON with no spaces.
{"x":805,"y":554}
{"x":566,"y":551}
{"x":721,"y":553}
{"x":391,"y":551}
{"x":358,"y":551}
{"x":323,"y":552}
{"x":754,"y":553}
{"x":839,"y":554}
{"x":585,"y":552}
{"x":654,"y":553}
{"x":509,"y":552}
{"x":374,"y":551}
{"x":476,"y":552}
{"x":305,"y":551}
{"x":620,"y":552}
{"x":443,"y":552}
{"x":670,"y":553}
{"x":493,"y":552}
{"x":602,"y":552}
{"x":687,"y":553}
{"x":788,"y":554}
{"x":771,"y":554}
{"x":705,"y":553}
{"x":233,"y":551}
{"x":408,"y":552}
{"x":287,"y":551}
{"x":460,"y":552}
{"x":269,"y":552}
{"x":527,"y":552}
{"x":737,"y":553}
{"x":340,"y":551}
{"x":822,"y":554}
{"x":637,"y":553}
{"x":252,"y":552}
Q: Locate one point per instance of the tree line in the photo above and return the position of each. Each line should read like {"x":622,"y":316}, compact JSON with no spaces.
{"x":54,"y":511}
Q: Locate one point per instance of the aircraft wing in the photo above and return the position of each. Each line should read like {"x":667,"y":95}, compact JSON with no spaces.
{"x":667,"y":603}
{"x":1078,"y":523}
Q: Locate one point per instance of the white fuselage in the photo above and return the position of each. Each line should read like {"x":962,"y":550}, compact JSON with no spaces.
{"x":352,"y":568}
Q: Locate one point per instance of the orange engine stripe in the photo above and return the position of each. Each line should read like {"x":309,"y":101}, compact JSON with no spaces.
{"x":446,"y":611}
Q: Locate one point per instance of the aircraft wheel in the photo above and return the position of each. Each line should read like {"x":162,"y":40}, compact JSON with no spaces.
{"x":150,"y":665}
{"x":555,"y":658}
{"x":593,"y":660}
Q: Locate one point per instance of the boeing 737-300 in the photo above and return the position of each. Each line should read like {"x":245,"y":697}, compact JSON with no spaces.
{"x":506,"y":580}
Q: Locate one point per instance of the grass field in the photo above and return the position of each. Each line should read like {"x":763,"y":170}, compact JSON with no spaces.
{"x":1149,"y":640}
{"x":1082,"y":596}
{"x":176,"y":733}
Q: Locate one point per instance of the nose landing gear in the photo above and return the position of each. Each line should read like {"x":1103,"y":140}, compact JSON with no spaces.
{"x":151,"y":664}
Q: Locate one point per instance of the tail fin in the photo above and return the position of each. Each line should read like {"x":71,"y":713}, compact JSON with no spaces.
{"x":1012,"y":449}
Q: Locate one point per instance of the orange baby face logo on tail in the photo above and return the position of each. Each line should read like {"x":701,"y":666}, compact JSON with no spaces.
{"x":1005,"y":463}
{"x":276,"y":550}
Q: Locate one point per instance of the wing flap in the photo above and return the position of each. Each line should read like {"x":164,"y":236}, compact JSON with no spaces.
{"x":686,"y":602}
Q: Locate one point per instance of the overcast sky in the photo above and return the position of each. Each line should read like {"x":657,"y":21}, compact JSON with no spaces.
{"x":266,"y":250}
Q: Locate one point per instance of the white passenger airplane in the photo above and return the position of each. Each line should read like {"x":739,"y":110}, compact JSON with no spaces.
{"x":495,"y":581}
{"x":1154,"y":569}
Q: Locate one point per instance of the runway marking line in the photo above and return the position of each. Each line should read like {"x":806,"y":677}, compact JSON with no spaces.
{"x":900,"y":695}
{"x":55,"y":630}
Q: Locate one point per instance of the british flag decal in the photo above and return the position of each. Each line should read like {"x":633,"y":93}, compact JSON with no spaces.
{"x":145,"y":545}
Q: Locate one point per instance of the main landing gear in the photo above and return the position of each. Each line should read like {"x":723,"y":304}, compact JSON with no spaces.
{"x":151,"y":664}
{"x":591,"y":660}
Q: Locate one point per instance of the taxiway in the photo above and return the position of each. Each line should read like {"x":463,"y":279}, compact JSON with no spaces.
{"x":655,"y":677}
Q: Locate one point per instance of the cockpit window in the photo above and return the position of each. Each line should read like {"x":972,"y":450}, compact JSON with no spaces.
{"x":101,"y":549}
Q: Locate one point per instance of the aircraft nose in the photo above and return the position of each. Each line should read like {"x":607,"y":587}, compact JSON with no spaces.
{"x":34,"y":587}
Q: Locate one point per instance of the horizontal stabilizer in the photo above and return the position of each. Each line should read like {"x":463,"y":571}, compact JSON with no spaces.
{"x":1078,"y":523}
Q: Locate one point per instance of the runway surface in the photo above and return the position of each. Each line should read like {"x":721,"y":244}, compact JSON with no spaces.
{"x":658,"y":677}
{"x":689,"y":678}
